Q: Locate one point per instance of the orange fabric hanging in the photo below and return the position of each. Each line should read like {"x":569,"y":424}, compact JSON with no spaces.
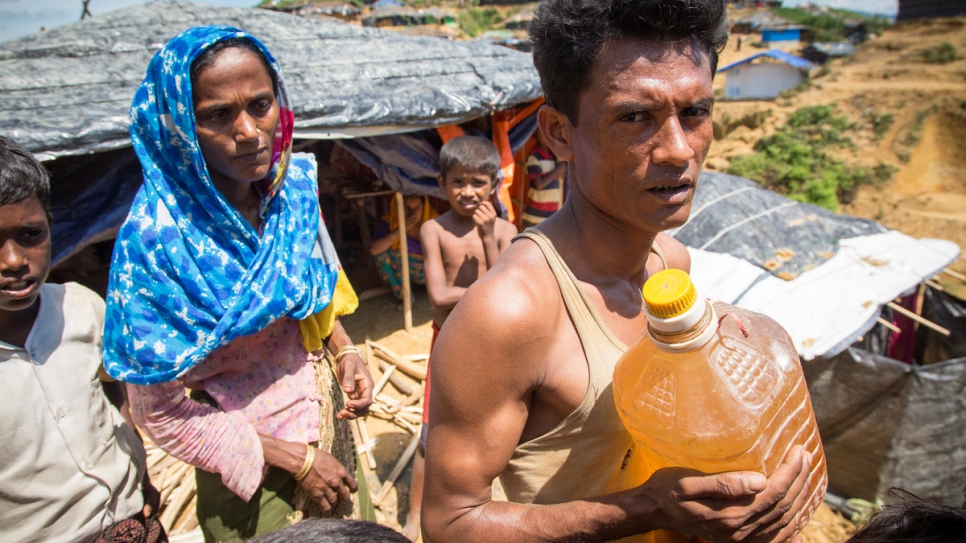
{"x":511,"y":191}
{"x":449,"y":132}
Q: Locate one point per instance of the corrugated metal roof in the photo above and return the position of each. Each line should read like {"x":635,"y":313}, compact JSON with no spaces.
{"x":834,"y":49}
{"x":777,"y":54}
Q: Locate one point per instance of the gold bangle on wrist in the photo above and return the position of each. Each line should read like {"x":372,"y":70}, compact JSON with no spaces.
{"x":350,"y":349}
{"x":307,"y":464}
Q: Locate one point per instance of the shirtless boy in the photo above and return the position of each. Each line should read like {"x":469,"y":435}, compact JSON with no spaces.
{"x":522,"y":371}
{"x":459,"y":246}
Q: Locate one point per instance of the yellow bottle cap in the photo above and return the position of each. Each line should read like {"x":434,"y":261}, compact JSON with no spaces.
{"x":669,"y":293}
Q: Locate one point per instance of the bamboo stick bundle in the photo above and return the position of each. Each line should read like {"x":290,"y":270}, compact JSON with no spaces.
{"x":182,"y":495}
{"x":188,"y":520}
{"x":171,"y":480}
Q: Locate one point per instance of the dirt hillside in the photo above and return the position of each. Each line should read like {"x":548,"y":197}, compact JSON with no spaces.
{"x":888,"y":76}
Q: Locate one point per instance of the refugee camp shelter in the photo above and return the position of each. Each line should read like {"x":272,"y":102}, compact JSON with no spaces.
{"x":65,"y":95}
{"x":820,"y":53}
{"x":760,"y":19}
{"x":765,"y":75}
{"x":781,"y":36}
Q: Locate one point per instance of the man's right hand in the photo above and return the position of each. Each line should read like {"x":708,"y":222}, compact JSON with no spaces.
{"x":735,"y":506}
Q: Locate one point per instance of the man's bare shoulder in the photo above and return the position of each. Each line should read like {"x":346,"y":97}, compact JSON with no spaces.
{"x":512,"y":295}
{"x":675,"y":252}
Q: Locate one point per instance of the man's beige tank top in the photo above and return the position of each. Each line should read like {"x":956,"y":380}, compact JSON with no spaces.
{"x":586,"y":454}
{"x":583,"y":455}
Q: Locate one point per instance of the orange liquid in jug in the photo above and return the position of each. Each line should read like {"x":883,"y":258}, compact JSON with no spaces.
{"x":734,"y":403}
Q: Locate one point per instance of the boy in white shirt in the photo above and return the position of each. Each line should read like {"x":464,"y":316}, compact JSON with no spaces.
{"x":70,"y":467}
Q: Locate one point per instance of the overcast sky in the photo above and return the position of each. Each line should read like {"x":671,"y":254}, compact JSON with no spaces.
{"x":22,"y":17}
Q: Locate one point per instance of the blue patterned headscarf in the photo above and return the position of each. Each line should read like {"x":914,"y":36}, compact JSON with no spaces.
{"x":189,"y":273}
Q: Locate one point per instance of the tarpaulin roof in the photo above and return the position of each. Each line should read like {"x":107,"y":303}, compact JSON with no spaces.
{"x":777,"y":54}
{"x":823,"y":276}
{"x":67,"y":90}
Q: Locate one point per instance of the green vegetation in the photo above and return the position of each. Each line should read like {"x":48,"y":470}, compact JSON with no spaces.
{"x":881,"y":123}
{"x":939,"y":54}
{"x":914,"y":130}
{"x":475,"y":21}
{"x":831,"y":26}
{"x":795,"y":160}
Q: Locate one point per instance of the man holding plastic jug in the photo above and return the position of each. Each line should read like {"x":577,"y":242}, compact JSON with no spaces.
{"x":522,"y":370}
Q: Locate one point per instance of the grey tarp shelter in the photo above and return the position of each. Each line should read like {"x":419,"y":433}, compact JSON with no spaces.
{"x":65,"y":93}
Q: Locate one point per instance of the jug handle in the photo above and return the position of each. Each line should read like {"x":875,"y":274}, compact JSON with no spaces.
{"x":741,"y":325}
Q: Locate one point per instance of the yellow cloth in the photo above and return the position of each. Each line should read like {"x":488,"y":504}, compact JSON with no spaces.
{"x":429,"y":213}
{"x":317,"y":327}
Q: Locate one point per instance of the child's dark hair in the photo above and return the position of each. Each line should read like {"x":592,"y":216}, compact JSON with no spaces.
{"x":21,"y":175}
{"x":914,"y":520}
{"x":319,"y":530}
{"x":568,"y":35}
{"x":206,"y":59}
{"x":470,"y":152}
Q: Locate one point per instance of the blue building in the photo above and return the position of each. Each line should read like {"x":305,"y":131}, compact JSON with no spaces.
{"x":765,"y":75}
{"x":780,"y":36}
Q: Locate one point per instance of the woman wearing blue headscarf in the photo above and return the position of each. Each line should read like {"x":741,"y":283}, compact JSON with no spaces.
{"x":224,"y":281}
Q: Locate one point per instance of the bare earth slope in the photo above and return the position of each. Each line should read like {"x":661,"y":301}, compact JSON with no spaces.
{"x":887,"y":75}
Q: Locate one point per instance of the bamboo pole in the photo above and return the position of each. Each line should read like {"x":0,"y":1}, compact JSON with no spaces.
{"x":382,"y":381}
{"x":935,"y":285}
{"x":402,"y":383}
{"x":413,"y":369}
{"x":404,"y":264}
{"x":888,"y":325}
{"x":959,"y":276}
{"x":929,"y":324}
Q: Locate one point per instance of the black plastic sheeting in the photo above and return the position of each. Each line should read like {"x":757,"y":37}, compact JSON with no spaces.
{"x":950,"y":313}
{"x":90,"y":198}
{"x":409,"y":163}
{"x":737,"y":216}
{"x":889,"y":424}
{"x":67,"y":91}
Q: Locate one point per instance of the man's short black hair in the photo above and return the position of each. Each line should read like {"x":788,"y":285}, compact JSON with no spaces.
{"x":319,"y":530}
{"x":470,"y":152}
{"x":568,"y":35}
{"x":21,"y":175}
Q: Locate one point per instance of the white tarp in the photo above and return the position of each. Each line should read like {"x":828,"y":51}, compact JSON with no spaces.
{"x":827,"y":308}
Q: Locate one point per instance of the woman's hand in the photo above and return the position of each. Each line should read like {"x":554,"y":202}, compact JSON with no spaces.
{"x":328,"y":481}
{"x":355,"y":380}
